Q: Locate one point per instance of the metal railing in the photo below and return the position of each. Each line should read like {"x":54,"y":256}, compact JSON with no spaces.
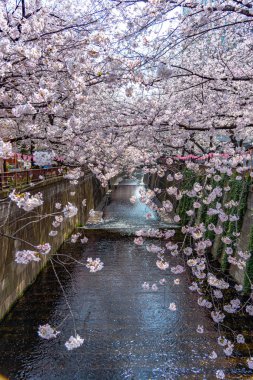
{"x":19,"y":179}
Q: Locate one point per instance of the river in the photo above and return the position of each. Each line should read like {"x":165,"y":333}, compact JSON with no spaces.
{"x":129,"y":333}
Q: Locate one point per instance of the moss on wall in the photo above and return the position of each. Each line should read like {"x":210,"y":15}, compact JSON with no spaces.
{"x":239,"y":191}
{"x":186,"y":203}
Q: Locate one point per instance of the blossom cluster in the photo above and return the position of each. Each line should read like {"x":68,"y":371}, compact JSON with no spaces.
{"x":26,"y":201}
{"x":94,"y":265}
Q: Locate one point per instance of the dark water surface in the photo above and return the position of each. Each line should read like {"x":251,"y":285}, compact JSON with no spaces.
{"x":128,"y":333}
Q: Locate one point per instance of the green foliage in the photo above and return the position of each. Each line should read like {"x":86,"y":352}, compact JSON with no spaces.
{"x":224,"y":261}
{"x":220,"y":248}
{"x":239,"y":193}
{"x":186,"y":203}
{"x":243,"y":201}
{"x":208,"y":219}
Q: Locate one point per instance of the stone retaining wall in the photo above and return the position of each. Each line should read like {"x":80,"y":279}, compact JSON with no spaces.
{"x":245,"y":244}
{"x":14,"y":278}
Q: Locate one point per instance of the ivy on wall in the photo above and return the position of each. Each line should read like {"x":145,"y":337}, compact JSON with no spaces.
{"x":239,"y":190}
{"x":186,"y":203}
{"x":238,"y":193}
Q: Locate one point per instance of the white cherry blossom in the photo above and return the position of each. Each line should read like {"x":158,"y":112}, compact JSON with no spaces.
{"x":74,"y":342}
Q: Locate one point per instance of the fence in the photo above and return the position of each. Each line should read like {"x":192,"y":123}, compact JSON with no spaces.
{"x":25,"y":177}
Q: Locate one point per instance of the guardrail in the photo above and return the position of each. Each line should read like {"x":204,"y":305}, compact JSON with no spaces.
{"x":26,"y":177}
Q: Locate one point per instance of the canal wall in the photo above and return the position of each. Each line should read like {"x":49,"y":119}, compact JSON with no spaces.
{"x":245,"y":276}
{"x":35,"y":226}
{"x":242,"y":192}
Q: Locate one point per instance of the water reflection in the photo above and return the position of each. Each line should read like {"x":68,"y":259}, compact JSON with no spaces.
{"x":129,"y":333}
{"x":120,"y":207}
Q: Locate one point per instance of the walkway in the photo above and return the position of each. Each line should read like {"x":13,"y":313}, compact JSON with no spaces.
{"x":129,"y":333}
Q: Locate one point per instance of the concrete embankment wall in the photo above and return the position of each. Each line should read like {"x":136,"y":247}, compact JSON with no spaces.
{"x":241,"y":192}
{"x":246,"y":243}
{"x":31,"y":227}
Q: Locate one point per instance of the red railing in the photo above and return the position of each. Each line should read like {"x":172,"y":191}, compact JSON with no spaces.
{"x":25,"y":177}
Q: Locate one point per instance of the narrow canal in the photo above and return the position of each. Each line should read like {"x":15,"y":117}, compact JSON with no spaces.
{"x":129,"y":332}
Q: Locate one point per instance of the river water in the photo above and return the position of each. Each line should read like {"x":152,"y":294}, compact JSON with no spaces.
{"x":129,"y":333}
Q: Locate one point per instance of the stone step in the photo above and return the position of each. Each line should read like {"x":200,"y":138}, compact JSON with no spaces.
{"x":96,"y":218}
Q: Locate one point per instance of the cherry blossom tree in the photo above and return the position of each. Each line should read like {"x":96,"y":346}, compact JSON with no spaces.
{"x":115,"y":85}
